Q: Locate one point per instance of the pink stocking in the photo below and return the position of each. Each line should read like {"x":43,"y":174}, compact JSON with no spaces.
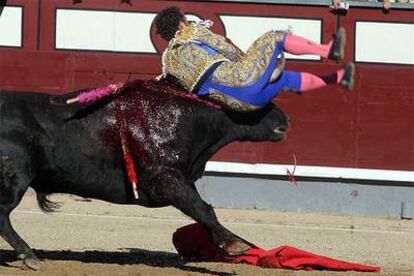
{"x":310,"y":81}
{"x":301,"y":46}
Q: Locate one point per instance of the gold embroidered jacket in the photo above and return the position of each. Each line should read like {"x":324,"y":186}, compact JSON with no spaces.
{"x":186,"y":61}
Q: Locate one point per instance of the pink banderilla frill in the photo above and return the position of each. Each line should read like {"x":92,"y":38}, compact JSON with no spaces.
{"x":96,"y":94}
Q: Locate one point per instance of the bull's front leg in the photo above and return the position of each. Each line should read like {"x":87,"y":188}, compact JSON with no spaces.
{"x":14,"y":181}
{"x":172,"y":187}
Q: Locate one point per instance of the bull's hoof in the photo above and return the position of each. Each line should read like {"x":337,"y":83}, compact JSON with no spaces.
{"x":32,"y":263}
{"x":235,"y":248}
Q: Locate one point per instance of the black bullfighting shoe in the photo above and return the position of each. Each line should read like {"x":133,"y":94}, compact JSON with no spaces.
{"x":337,"y":50}
{"x":347,"y":81}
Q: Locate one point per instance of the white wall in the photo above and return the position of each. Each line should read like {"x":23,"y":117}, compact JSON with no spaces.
{"x":384,"y":42}
{"x":104,"y":30}
{"x":11,"y":21}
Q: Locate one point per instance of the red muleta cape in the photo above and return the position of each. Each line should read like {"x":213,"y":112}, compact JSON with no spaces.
{"x":193,"y":241}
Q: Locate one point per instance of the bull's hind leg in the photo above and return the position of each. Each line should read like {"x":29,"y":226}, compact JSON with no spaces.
{"x":13,"y":185}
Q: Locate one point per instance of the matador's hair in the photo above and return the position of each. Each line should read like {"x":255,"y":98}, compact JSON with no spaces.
{"x":167,"y":22}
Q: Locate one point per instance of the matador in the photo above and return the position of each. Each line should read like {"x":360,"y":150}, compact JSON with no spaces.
{"x":211,"y":66}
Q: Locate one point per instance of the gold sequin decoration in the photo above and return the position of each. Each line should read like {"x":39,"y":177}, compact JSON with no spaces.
{"x":251,"y":66}
{"x":187,"y":61}
{"x":229,"y":102}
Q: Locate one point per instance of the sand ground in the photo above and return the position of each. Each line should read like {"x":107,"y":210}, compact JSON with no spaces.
{"x":98,"y":238}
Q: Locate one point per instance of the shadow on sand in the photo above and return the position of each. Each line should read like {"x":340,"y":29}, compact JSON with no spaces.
{"x":128,"y":256}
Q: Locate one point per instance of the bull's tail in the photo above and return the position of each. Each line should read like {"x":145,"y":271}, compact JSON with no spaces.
{"x":45,"y":204}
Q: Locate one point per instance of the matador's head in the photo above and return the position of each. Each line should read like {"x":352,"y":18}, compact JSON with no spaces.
{"x":168,"y":21}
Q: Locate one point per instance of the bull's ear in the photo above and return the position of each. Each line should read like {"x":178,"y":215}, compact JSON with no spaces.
{"x":126,"y":2}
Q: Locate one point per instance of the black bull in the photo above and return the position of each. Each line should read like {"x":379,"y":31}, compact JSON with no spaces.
{"x":77,"y":150}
